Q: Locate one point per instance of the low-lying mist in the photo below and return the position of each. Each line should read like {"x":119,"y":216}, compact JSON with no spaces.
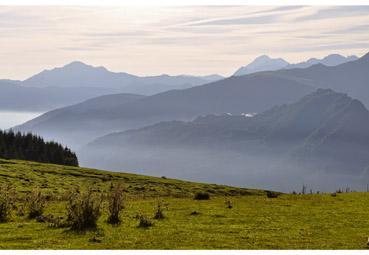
{"x":263,"y":171}
{"x":9,"y":119}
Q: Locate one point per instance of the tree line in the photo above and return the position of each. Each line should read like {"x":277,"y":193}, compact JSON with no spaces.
{"x":15,"y":145}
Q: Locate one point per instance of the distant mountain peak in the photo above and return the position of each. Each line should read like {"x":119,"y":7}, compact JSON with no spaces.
{"x":266,"y":63}
{"x":262,"y":58}
{"x":81,"y":65}
{"x":267,"y":59}
{"x":76,"y":63}
{"x":330,"y":60}
{"x":262,"y":63}
{"x":78,"y":74}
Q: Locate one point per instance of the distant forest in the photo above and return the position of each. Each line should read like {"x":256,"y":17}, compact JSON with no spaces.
{"x":30,"y":147}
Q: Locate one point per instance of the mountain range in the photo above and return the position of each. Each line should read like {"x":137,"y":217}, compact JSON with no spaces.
{"x":251,"y":93}
{"x":78,"y":74}
{"x":274,"y":129}
{"x":323,"y":134}
{"x":76,"y":82}
{"x":265,"y":63}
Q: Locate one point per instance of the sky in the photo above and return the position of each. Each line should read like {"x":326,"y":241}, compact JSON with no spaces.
{"x":153,"y":40}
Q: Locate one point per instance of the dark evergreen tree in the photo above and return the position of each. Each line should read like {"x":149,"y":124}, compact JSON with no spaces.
{"x":34,"y":148}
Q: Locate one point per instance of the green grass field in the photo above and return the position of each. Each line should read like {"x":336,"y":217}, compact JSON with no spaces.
{"x":255,"y":221}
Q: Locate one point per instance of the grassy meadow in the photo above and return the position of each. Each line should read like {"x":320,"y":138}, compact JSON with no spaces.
{"x":319,"y":221}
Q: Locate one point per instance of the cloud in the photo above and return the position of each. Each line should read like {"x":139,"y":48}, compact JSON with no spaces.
{"x":188,"y":39}
{"x":80,"y":48}
{"x":351,"y":29}
{"x":330,"y":47}
{"x":266,"y":16}
{"x":335,"y":12}
{"x":264,"y":19}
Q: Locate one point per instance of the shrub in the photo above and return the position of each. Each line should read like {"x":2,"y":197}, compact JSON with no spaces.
{"x":229,"y":204}
{"x":83,"y":211}
{"x":202,"y":196}
{"x":36,"y":204}
{"x":334,"y":194}
{"x":271,"y":194}
{"x":144,"y":221}
{"x":115,"y":199}
{"x":159,"y":214}
{"x":194,"y":213}
{"x":45,"y":218}
{"x":97,"y":238}
{"x":7,"y":199}
{"x":20,"y":210}
{"x":57,"y":222}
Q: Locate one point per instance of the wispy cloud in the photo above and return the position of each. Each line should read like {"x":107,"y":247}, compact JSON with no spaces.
{"x":352,"y":29}
{"x":182,"y":39}
{"x":336,"y":12}
{"x":264,"y":19}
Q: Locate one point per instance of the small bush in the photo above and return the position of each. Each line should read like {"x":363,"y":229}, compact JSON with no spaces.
{"x":45,"y":218}
{"x":7,"y":200}
{"x":334,"y":194}
{"x":36,"y":204}
{"x":229,"y":204}
{"x":144,"y":221}
{"x":83,"y":209}
{"x":202,"y":196}
{"x":159,"y":214}
{"x":116,"y":205}
{"x":95,"y":239}
{"x":20,"y":210}
{"x":194,"y":213}
{"x":271,"y":194}
{"x":57,"y":222}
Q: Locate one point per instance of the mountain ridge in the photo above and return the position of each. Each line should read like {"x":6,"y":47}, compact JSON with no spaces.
{"x":320,"y":133}
{"x":228,"y":95}
{"x":265,"y":63}
{"x":79,"y":74}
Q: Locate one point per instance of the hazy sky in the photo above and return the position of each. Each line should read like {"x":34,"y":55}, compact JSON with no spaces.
{"x":174,"y":40}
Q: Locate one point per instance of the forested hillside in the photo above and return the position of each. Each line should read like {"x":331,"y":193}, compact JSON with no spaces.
{"x":30,"y":147}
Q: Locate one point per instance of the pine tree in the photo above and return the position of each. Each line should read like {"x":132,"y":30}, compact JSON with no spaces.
{"x":34,"y":148}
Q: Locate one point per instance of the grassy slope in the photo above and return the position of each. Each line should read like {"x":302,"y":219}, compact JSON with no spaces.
{"x":255,"y":222}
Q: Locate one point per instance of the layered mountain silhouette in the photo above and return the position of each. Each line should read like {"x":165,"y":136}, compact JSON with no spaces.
{"x":330,"y":60}
{"x":78,"y":74}
{"x":15,"y":97}
{"x":324,"y":134}
{"x":238,"y":94}
{"x":265,"y":63}
{"x":75,"y":124}
{"x":350,"y":77}
{"x":76,"y":82}
{"x":233,"y":95}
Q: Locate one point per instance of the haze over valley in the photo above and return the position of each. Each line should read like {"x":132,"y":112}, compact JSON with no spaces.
{"x":269,"y":129}
{"x":193,"y":96}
